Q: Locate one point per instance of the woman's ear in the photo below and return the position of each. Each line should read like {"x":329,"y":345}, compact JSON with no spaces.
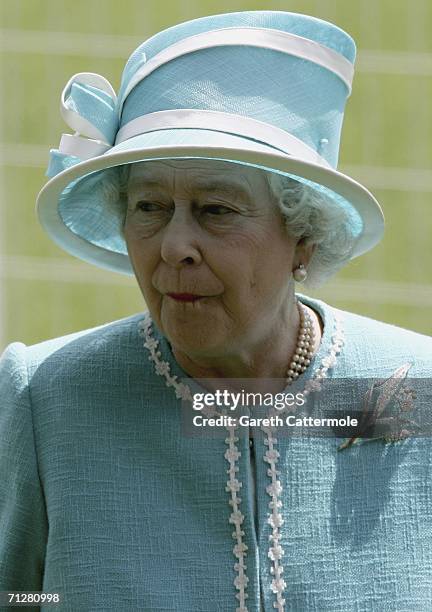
{"x":304,"y":251}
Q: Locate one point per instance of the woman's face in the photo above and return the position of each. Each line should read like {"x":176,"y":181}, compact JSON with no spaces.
{"x":209,"y":231}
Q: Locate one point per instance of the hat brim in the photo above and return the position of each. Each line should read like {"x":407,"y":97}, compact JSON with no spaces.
{"x":201,"y":144}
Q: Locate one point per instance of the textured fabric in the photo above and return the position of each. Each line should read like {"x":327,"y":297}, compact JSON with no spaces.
{"x":105,"y":501}
{"x":302,"y":25}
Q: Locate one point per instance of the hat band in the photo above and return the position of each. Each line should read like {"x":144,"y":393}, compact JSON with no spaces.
{"x":217,"y":121}
{"x":266,"y":38}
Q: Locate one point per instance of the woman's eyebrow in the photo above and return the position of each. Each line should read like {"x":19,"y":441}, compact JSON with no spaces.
{"x":143,"y":183}
{"x":223,"y":187}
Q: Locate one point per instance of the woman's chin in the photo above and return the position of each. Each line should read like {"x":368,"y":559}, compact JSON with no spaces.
{"x":194,"y":341}
{"x":193,"y":336}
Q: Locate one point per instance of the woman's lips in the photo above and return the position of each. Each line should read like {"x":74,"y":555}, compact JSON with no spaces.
{"x":185,"y":297}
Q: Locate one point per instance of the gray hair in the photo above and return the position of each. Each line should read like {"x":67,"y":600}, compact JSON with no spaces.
{"x":319,"y":220}
{"x":307,"y":213}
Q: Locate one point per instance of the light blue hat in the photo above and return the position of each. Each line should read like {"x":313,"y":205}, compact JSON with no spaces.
{"x":261,"y":88}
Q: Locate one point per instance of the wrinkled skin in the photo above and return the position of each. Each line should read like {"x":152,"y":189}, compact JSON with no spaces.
{"x":211,"y":228}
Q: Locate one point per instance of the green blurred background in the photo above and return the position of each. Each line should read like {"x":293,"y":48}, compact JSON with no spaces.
{"x":386,"y":144}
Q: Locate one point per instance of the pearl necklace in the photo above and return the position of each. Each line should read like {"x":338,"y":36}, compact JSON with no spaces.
{"x":303,"y":351}
{"x":305,"y":343}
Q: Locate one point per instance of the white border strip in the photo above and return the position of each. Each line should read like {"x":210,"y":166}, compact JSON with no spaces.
{"x":266,"y":38}
{"x":217,"y":121}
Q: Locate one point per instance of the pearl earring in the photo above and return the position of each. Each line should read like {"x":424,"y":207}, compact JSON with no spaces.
{"x":300,"y":274}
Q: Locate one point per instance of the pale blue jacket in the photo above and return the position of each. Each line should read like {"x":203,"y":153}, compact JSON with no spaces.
{"x":103,"y":500}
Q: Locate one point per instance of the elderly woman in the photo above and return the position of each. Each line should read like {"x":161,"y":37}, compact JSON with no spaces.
{"x":212,"y":178}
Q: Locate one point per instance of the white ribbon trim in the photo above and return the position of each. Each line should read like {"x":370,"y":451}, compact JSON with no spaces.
{"x":72,"y":118}
{"x":84,"y":148}
{"x":266,"y":38}
{"x":217,"y":121}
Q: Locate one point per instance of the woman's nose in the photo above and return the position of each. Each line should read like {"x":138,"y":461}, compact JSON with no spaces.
{"x":180,"y":245}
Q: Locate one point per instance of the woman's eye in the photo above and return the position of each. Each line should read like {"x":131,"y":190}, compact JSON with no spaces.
{"x":148,"y":206}
{"x":217,"y":209}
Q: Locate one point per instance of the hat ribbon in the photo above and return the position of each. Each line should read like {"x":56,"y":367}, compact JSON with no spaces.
{"x":89,"y":106}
